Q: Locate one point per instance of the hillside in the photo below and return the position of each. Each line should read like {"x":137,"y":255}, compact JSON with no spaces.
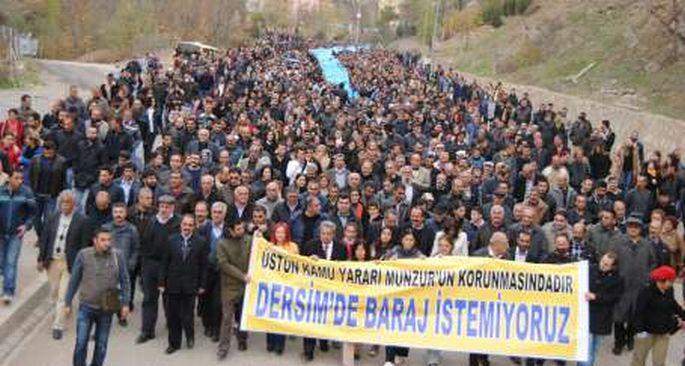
{"x":637,"y":47}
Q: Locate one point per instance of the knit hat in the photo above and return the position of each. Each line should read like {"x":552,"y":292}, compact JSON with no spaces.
{"x":663,"y":273}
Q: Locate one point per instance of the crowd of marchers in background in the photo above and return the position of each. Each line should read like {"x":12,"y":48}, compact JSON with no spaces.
{"x":152,"y":188}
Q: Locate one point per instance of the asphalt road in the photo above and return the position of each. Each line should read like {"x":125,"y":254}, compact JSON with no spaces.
{"x":56,"y":76}
{"x":39,"y":349}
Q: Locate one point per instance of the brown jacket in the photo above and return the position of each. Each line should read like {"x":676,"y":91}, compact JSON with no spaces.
{"x":233,"y":257}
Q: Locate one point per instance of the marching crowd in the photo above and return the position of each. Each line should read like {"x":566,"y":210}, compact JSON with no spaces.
{"x":179,"y":166}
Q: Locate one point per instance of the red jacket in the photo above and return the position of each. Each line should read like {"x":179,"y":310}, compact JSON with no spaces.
{"x":16,"y":127}
{"x":13,"y":154}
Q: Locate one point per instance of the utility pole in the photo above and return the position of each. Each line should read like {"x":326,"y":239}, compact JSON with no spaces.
{"x":436,"y":26}
{"x":358,"y":15}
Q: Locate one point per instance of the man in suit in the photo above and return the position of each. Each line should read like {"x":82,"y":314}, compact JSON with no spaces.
{"x":522,"y":252}
{"x":539,"y":240}
{"x":325,"y":247}
{"x":129,"y":184}
{"x":339,"y":173}
{"x":150,"y":124}
{"x":498,"y":248}
{"x":64,"y":234}
{"x":182,"y":276}
{"x":210,"y":303}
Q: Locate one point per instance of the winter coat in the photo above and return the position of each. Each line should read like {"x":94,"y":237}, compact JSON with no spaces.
{"x":233,"y":257}
{"x":607,"y":287}
{"x":602,"y":239}
{"x":58,"y":175}
{"x":127,"y":240}
{"x":656,"y":312}
{"x":91,"y":155}
{"x":16,"y":209}
{"x":635,"y":260}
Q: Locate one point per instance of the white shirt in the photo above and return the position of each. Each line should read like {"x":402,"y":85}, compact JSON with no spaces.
{"x":61,"y":236}
{"x":520,"y":256}
{"x":329,"y":249}
{"x":126,"y":187}
{"x":293,"y":168}
{"x":217,"y":230}
{"x":408,"y":193}
{"x":151,"y":120}
{"x":240,"y":209}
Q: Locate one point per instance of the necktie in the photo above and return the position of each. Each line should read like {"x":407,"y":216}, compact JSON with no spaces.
{"x":213,"y":247}
{"x":185,"y":249}
{"x":325,"y":250}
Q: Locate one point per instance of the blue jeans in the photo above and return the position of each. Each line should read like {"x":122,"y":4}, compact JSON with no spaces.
{"x":45,"y":206}
{"x":10,"y":247}
{"x":626,"y":182}
{"x":87,"y":318}
{"x":595,"y":343}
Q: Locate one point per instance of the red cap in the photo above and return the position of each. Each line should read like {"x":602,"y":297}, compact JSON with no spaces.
{"x":663,"y":273}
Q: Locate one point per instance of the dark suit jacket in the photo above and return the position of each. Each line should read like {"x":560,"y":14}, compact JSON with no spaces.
{"x":205,"y":231}
{"x":531,"y":256}
{"x":184,"y":277}
{"x":538,"y":243}
{"x":314,"y":247}
{"x":79,"y":236}
{"x":282,"y":212}
{"x":144,"y":125}
{"x":233,"y":216}
{"x":133,"y":195}
{"x":339,"y":227}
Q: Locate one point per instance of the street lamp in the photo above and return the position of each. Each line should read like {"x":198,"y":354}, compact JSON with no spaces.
{"x":359,"y":18}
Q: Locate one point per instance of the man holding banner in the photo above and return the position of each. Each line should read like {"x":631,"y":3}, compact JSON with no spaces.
{"x":498,"y":249}
{"x":325,"y":247}
{"x":233,"y":256}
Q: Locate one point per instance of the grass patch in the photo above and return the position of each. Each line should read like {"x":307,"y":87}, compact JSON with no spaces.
{"x":28,"y":75}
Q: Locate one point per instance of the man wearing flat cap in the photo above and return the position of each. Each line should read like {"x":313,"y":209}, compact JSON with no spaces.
{"x":152,"y":250}
{"x":637,"y":259}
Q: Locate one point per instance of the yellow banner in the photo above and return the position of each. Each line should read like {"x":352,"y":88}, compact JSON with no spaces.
{"x":460,"y":304}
